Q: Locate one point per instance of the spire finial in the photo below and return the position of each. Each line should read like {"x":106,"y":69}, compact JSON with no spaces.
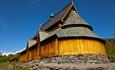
{"x":51,"y":16}
{"x":72,"y":1}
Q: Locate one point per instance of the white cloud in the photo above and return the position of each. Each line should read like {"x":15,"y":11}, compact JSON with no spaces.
{"x":7,"y":53}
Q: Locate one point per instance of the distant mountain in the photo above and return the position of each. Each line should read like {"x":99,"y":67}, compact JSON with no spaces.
{"x":110,"y":47}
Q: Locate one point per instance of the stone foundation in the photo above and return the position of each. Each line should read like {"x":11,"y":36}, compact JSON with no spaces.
{"x":77,"y":59}
{"x":81,"y":62}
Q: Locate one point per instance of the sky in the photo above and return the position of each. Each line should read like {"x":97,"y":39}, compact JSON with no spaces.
{"x":20,"y":19}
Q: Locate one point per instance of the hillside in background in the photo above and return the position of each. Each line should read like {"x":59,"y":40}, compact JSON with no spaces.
{"x":110,"y":47}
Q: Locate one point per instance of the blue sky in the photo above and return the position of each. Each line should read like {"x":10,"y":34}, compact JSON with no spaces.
{"x":20,"y":19}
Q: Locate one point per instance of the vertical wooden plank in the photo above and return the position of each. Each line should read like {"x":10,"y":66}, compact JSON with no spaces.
{"x":47,"y":49}
{"x":60,"y":47}
{"x":27,"y":53}
{"x":35,"y":52}
{"x":70,"y":47}
{"x":41,"y":50}
{"x":86,"y":46}
{"x":56,"y":47}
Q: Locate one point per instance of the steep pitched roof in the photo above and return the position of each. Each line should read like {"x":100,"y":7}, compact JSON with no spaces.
{"x":69,"y":32}
{"x":58,"y":17}
{"x":31,"y":42}
{"x":44,"y":35}
{"x":74,"y":19}
{"x":69,"y":17}
{"x":76,"y":32}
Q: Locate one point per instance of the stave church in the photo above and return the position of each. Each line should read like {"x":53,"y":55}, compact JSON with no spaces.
{"x":65,"y":35}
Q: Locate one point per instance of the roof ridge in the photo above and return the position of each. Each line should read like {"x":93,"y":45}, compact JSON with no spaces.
{"x":62,"y":9}
{"x":59,"y":14}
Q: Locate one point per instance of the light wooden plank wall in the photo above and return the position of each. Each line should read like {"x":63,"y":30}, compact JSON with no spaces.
{"x":31,"y":54}
{"x":81,"y":46}
{"x":23,"y":57}
{"x":65,"y":47}
{"x":50,"y":48}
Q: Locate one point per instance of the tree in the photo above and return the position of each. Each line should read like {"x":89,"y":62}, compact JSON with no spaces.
{"x":110,"y":47}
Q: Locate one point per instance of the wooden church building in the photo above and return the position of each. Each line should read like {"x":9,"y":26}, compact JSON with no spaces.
{"x":64,"y":34}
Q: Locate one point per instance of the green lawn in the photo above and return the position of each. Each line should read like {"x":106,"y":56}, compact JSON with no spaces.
{"x":5,"y":65}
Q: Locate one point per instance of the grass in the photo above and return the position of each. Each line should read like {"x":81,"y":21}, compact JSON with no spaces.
{"x":5,"y":66}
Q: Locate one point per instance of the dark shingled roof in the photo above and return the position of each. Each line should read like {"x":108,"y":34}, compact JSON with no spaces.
{"x":58,"y":17}
{"x":31,"y":42}
{"x":70,"y":18}
{"x":69,"y":32}
{"x":74,"y":18}
{"x":76,"y":32}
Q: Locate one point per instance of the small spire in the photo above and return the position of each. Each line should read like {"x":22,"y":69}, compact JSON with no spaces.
{"x":51,"y":16}
{"x":72,"y":1}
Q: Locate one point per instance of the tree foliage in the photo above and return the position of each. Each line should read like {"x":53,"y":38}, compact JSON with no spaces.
{"x":4,"y":58}
{"x":110,"y":47}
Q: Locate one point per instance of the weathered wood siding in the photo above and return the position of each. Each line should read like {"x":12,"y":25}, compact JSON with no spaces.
{"x":49,"y":48}
{"x":54,"y":47}
{"x":23,"y":57}
{"x":36,"y":52}
{"x":81,"y":46}
{"x":31,"y":54}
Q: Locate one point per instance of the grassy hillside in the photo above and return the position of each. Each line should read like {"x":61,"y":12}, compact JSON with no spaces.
{"x":110,"y":47}
{"x":5,"y":66}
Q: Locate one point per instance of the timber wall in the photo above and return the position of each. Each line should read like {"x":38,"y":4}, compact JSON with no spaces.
{"x":54,"y":47}
{"x":33,"y":52}
{"x":81,"y":46}
{"x":30,"y":54}
{"x":23,"y":57}
{"x":49,"y":48}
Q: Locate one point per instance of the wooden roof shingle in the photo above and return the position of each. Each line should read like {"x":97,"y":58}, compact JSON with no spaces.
{"x":58,"y":17}
{"x":70,"y":17}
